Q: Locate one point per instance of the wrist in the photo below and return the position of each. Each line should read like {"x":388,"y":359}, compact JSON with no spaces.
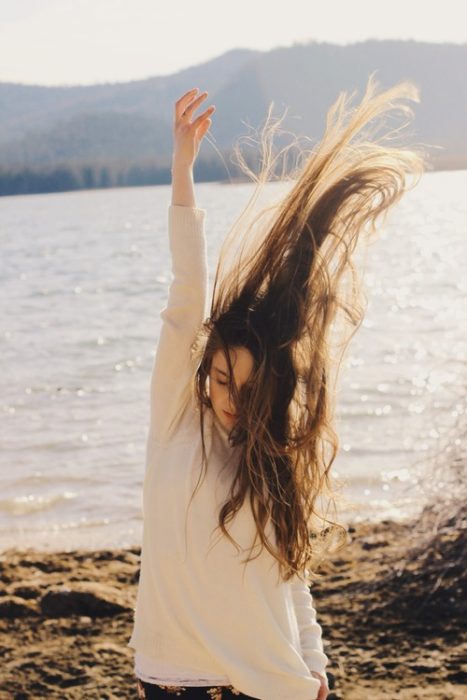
{"x":180,"y":162}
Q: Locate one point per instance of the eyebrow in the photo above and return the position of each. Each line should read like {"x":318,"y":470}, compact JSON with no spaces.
{"x":248,"y":383}
{"x":221,"y":371}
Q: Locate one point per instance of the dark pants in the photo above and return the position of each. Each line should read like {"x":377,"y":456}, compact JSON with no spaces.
{"x":152,"y":691}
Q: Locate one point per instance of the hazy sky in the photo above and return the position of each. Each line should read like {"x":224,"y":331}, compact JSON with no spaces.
{"x":68,"y":42}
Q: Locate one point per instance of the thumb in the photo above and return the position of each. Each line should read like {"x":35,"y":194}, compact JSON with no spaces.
{"x":203,"y":128}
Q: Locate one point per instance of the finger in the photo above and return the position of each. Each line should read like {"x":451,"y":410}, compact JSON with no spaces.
{"x":323,"y":693}
{"x":187,"y":94}
{"x":203,"y":128}
{"x":182,"y":102}
{"x":203,"y":116}
{"x":193,"y":105}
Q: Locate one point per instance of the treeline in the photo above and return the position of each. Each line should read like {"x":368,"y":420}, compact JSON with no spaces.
{"x":68,"y":177}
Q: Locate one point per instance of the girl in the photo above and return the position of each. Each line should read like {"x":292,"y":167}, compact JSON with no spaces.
{"x":241,"y":440}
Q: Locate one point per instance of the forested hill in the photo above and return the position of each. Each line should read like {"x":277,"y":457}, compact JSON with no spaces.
{"x":119,"y":134}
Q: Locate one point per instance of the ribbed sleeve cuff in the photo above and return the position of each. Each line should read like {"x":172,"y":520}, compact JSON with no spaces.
{"x":186,"y":218}
{"x":316,"y":660}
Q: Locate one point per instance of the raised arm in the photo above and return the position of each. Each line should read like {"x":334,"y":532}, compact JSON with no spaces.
{"x":185,"y":308}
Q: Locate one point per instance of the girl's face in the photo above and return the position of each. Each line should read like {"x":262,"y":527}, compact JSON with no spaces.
{"x":242,"y":365}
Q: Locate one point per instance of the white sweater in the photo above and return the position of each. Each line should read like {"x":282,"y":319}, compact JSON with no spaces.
{"x":198,"y":608}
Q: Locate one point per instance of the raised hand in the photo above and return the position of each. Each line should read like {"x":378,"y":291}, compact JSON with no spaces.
{"x":188,"y":133}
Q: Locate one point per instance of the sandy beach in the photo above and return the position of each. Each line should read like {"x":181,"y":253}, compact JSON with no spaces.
{"x":391,"y":604}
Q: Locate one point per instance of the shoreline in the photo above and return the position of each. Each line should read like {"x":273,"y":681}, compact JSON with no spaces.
{"x":54,"y":542}
{"x":65,"y":620}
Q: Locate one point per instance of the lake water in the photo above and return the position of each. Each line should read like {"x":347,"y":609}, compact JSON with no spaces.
{"x":84,"y":276}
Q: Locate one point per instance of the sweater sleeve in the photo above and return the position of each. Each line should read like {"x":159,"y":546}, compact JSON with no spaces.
{"x":310,"y":631}
{"x":173,"y":368}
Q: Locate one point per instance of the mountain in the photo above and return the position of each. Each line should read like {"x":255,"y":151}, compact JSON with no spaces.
{"x":122,"y":126}
{"x":30,"y":113}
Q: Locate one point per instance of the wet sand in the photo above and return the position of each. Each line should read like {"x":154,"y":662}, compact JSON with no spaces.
{"x":393,"y":626}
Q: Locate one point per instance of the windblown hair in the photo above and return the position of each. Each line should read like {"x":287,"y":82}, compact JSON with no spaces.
{"x":293,"y":300}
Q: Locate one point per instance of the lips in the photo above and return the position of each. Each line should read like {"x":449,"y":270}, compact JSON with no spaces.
{"x":229,"y":415}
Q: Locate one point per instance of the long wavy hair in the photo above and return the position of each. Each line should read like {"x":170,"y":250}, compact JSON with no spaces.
{"x":291,"y":295}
